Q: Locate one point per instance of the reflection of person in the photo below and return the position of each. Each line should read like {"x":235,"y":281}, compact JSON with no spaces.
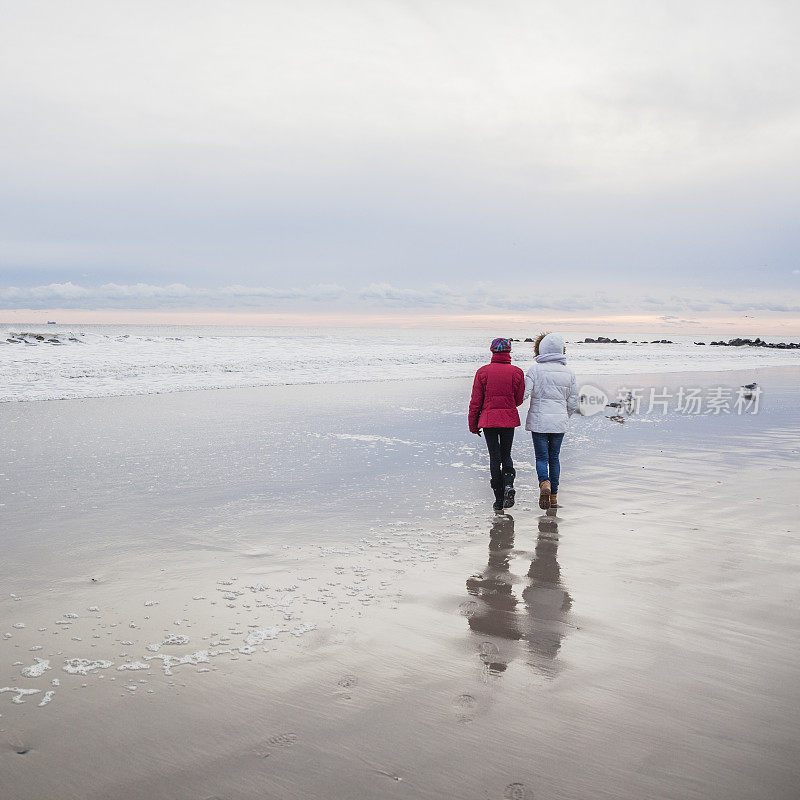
{"x":546,"y":600}
{"x":497,"y":390}
{"x":494,"y":613}
{"x":553,"y":390}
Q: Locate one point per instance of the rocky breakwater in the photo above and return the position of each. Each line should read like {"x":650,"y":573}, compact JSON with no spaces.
{"x":758,"y":342}
{"x":606,"y":340}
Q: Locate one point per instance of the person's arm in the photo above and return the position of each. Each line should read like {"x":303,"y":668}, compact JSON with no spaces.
{"x":519,"y":388}
{"x":572,"y":399}
{"x":529,"y":383}
{"x":476,"y":402}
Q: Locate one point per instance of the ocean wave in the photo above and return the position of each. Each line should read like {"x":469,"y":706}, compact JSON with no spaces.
{"x":34,"y":338}
{"x":65,"y":363}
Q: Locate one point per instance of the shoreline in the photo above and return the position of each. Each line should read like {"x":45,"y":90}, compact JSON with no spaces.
{"x":609,"y":378}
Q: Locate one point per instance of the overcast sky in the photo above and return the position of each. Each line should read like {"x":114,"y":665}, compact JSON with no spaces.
{"x":438,"y":156}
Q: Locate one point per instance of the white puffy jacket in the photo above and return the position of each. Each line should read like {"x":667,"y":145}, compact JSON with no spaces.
{"x":553,"y":390}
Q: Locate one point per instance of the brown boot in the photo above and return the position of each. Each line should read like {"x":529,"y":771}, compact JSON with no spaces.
{"x":544,"y":495}
{"x":553,"y":501}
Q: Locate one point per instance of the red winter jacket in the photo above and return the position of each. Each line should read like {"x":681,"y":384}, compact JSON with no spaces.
{"x":498,"y":389}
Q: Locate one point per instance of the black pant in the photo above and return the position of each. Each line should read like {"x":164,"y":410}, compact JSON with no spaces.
{"x":499,"y":441}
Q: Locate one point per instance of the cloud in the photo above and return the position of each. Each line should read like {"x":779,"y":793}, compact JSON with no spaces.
{"x":316,"y":293}
{"x":397,"y":142}
{"x":476,"y":298}
{"x":673,"y":320}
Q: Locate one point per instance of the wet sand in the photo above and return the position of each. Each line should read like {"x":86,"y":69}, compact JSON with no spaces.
{"x":353,"y":620}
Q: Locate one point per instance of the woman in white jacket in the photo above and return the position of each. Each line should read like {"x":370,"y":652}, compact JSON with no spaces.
{"x":553,"y":390}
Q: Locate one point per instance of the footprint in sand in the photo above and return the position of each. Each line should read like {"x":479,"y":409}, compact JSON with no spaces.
{"x":465,"y":706}
{"x":347,"y":681}
{"x":468,"y":608}
{"x":517,"y":791}
{"x":488,"y":652}
{"x":282,"y":740}
{"x":17,"y":746}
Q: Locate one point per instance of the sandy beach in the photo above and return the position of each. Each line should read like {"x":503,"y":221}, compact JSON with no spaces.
{"x":302,"y":592}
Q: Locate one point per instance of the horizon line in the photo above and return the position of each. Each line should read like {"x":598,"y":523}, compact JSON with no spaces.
{"x":627,"y":322}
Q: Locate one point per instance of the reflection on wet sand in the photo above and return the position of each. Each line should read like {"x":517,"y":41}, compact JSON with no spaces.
{"x":536,"y":616}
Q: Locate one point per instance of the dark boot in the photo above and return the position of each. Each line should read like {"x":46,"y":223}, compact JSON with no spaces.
{"x":497,"y":488}
{"x":508,"y":488}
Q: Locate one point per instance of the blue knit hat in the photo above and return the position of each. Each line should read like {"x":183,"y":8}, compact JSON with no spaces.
{"x":501,"y":346}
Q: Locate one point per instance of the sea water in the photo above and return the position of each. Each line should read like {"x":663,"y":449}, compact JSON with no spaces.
{"x":50,"y":362}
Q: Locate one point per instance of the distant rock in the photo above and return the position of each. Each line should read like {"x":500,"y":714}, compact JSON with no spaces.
{"x":749,"y":390}
{"x":758,"y":342}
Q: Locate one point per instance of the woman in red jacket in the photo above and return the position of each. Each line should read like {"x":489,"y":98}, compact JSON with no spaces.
{"x":498,"y":389}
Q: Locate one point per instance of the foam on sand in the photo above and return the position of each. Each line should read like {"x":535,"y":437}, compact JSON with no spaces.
{"x":175,"y":638}
{"x":48,"y":696}
{"x":20,"y":693}
{"x":83,"y":666}
{"x":255,"y":638}
{"x":168,"y":662}
{"x":133,"y":665}
{"x":38,"y":669}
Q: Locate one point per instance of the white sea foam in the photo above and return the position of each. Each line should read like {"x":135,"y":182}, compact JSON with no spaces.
{"x":19,"y":694}
{"x":200,"y":657}
{"x":38,"y":669}
{"x":247,"y":637}
{"x":299,"y":630}
{"x":175,"y":638}
{"x":100,"y":361}
{"x":257,"y":637}
{"x":83,"y":666}
{"x":359,"y":437}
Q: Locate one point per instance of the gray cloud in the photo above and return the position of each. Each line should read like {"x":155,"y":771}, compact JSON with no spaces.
{"x":614,"y":146}
{"x":475,"y":298}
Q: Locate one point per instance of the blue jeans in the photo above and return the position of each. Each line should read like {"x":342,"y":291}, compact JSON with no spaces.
{"x":547,"y":447}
